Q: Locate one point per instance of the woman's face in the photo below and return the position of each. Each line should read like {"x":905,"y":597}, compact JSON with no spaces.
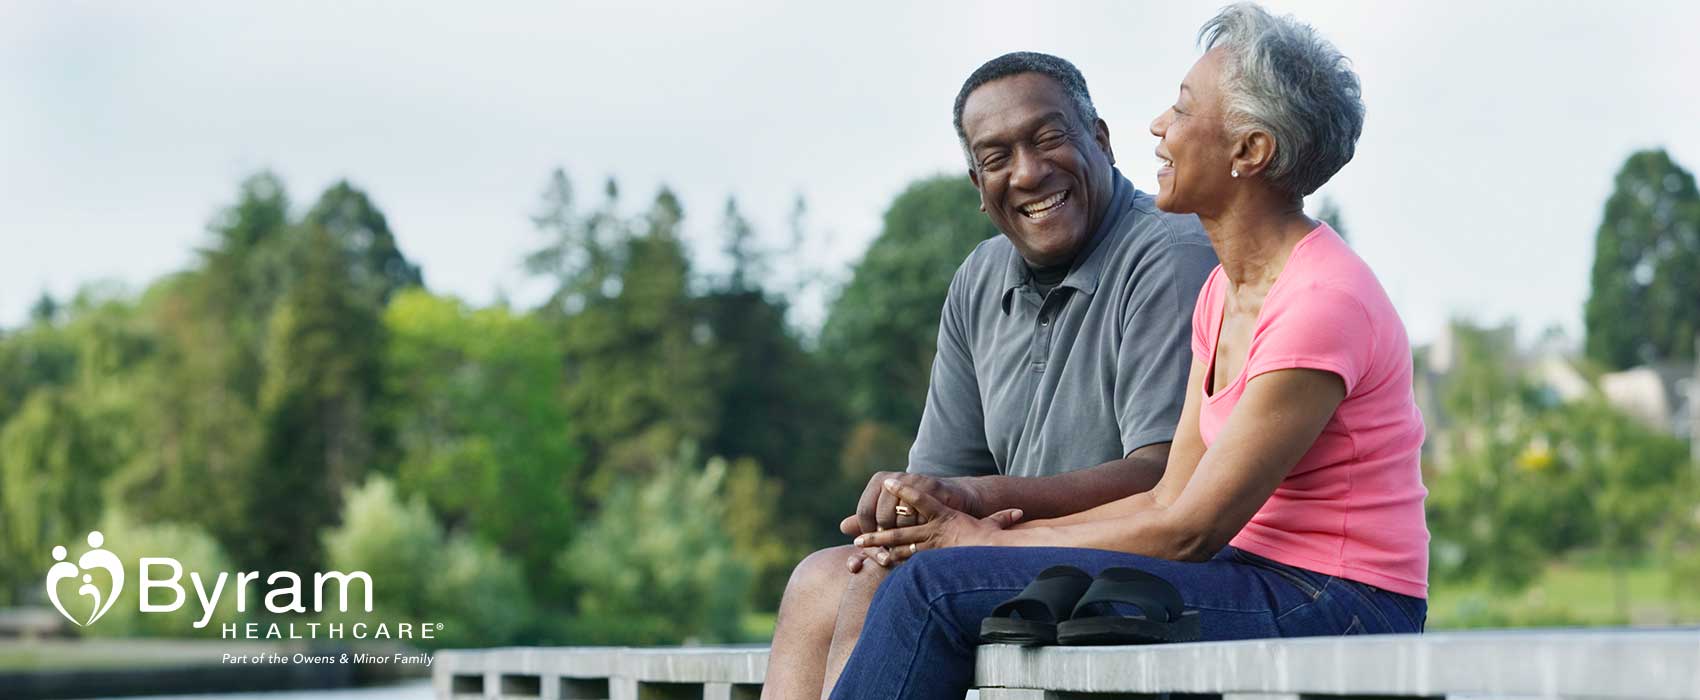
{"x":1194,"y":150}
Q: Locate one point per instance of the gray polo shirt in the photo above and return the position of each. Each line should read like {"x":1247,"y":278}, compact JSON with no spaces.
{"x":1026,"y":385}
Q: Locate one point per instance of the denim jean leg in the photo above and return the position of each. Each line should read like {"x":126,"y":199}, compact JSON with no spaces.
{"x":921,"y":633}
{"x":917,"y":641}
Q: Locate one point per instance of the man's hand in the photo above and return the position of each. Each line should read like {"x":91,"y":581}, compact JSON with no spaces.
{"x":942,"y":526}
{"x":877,"y":509}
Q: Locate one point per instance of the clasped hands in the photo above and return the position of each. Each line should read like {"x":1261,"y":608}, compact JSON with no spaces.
{"x":901,"y":514}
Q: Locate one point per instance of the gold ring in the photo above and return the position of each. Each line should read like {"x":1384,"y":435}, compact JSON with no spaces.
{"x":904,"y":510}
{"x":913,"y":549}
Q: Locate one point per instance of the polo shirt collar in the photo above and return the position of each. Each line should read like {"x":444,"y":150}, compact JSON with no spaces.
{"x":1089,"y":263}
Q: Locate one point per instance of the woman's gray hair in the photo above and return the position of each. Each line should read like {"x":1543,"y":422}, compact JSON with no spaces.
{"x":1282,"y":77}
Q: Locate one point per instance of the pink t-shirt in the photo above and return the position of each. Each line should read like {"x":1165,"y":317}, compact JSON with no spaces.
{"x":1353,"y":505}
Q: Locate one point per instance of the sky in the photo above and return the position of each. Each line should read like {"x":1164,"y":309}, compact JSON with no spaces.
{"x":1492,"y":134}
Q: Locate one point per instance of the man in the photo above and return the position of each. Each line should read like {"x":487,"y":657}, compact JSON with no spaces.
{"x":1062,"y":356}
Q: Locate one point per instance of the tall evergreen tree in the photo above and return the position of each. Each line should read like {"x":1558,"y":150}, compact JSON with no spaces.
{"x":241,"y":276}
{"x":322,"y":378}
{"x":1644,"y":301}
{"x":377,"y":267}
{"x":769,"y":404}
{"x":638,"y":360}
{"x":749,"y":265}
{"x":582,"y":254}
{"x":45,"y":309}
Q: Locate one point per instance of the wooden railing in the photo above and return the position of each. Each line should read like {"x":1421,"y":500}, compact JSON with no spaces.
{"x":1602,"y":664}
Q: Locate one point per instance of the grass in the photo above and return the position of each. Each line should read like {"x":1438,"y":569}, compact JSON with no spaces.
{"x":1568,"y":594}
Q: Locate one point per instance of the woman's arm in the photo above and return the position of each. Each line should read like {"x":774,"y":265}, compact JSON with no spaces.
{"x":1275,"y":423}
{"x":1196,"y":509}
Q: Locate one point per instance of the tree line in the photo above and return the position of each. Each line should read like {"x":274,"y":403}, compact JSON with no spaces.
{"x":643,"y":456}
{"x":640,"y":458}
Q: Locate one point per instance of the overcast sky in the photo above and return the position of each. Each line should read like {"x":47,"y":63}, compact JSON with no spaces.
{"x":1493,"y":130}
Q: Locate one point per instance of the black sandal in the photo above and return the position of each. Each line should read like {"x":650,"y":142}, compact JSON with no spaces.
{"x":1163,"y":616}
{"x":1041,"y":605}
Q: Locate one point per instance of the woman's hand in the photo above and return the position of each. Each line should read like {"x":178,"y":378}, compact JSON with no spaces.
{"x":943,"y":526}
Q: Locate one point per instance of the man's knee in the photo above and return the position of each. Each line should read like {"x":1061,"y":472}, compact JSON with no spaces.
{"x":822,"y":573}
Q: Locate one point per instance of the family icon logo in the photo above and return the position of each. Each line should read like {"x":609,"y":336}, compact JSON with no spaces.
{"x":95,"y":558}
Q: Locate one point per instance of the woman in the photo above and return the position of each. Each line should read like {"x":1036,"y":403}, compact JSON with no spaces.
{"x":1292,"y":501}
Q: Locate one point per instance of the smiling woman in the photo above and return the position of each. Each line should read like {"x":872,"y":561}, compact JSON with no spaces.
{"x":1291,"y":504}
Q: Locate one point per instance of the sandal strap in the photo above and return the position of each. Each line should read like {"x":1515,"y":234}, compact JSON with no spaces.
{"x":1050,"y":597}
{"x":1156,"y":598}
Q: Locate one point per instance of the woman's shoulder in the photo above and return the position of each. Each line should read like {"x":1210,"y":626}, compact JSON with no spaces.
{"x":1324,"y":262}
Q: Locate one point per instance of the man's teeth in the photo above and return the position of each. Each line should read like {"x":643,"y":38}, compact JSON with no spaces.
{"x":1042,"y":208}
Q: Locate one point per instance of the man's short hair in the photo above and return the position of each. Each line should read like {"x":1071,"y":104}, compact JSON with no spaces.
{"x":1016,"y":63}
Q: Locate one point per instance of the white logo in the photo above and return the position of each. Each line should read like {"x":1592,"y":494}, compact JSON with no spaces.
{"x":95,"y":558}
{"x":289,"y":593}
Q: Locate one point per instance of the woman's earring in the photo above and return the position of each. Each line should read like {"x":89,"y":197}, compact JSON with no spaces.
{"x":1235,"y":172}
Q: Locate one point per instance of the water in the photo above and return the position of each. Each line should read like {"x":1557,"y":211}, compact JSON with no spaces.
{"x":411,"y":690}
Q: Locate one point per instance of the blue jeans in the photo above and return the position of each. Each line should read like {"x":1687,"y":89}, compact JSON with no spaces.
{"x":924,"y":625}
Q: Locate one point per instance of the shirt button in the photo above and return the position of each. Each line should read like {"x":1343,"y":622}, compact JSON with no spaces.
{"x":1044,"y":321}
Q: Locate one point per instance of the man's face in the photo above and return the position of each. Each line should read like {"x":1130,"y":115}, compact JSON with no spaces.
{"x":1044,"y":177}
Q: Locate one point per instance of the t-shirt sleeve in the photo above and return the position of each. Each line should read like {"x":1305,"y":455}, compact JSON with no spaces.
{"x":952,"y":438}
{"x":1318,"y":327}
{"x":1154,"y":357}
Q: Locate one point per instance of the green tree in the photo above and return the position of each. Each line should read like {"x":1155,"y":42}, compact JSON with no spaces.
{"x":72,"y":428}
{"x":770,"y":409}
{"x":1644,"y":301}
{"x":882,"y":330}
{"x":45,"y":309}
{"x":749,"y":264}
{"x":266,"y":372}
{"x":1519,"y":479}
{"x":322,"y":379}
{"x":639,"y":362}
{"x":657,"y":565}
{"x":419,"y":573}
{"x":582,"y":255}
{"x":241,"y":276}
{"x":53,"y":456}
{"x":1498,"y":499}
{"x":34,"y":356}
{"x":198,"y":435}
{"x":1641,"y":483}
{"x":474,"y":397}
{"x":376,"y":266}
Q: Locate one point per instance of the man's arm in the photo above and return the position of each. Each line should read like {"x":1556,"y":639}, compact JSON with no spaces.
{"x":1062,"y":494}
